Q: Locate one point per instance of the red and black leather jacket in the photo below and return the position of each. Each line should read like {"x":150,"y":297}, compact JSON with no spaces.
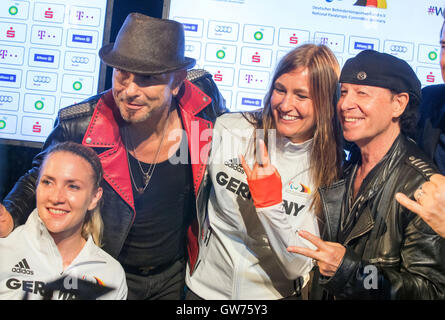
{"x":95,"y":123}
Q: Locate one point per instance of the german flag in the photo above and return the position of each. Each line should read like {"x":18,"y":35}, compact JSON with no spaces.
{"x":371,"y":3}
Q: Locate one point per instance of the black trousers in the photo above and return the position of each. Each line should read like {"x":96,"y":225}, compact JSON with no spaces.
{"x":166,"y":285}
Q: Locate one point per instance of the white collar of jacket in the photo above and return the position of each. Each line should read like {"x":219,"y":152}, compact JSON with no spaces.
{"x":290,"y":148}
{"x":39,"y":238}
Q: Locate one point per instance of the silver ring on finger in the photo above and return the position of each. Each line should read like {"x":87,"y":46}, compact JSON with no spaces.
{"x":419,"y":193}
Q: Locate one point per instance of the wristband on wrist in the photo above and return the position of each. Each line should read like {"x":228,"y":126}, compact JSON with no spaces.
{"x":266,"y":191}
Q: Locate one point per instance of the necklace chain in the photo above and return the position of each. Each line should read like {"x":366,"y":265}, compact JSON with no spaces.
{"x":147,"y":175}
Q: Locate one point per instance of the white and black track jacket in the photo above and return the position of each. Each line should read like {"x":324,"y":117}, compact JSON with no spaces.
{"x":242,"y":249}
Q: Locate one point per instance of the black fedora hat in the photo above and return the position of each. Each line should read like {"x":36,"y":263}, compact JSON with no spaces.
{"x":147,"y":45}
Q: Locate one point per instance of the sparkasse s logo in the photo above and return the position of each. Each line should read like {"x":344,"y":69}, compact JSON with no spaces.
{"x":381,"y":4}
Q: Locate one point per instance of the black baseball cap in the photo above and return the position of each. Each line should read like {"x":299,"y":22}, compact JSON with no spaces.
{"x":373,"y":68}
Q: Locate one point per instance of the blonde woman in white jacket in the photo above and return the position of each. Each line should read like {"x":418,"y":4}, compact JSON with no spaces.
{"x":61,"y":237}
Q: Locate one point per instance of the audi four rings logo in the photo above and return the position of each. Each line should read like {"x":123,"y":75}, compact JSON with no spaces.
{"x":5,"y":98}
{"x":224,"y":29}
{"x":42,"y":79}
{"x":189,"y":48}
{"x":396,"y":48}
{"x":83,"y":60}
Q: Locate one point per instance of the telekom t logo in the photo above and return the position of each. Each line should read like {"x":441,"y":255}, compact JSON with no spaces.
{"x":249,"y":78}
{"x":41,"y":34}
{"x":3,"y":53}
{"x":80,"y":15}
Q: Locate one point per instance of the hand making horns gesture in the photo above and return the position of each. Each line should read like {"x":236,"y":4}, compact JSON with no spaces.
{"x":429,"y":204}
{"x":266,"y":189}
{"x":328,"y":255}
{"x":260,"y":169}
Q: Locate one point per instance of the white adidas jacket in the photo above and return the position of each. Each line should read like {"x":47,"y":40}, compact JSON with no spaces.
{"x":243,"y":250}
{"x":29,"y":259}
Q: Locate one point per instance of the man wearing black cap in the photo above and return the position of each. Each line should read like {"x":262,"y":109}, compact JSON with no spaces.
{"x":140,"y":129}
{"x":372,"y":247}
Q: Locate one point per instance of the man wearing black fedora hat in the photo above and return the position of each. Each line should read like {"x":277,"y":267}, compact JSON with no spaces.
{"x":372,"y":247}
{"x":154,"y":111}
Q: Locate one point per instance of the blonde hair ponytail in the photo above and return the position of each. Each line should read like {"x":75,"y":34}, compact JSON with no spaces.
{"x":93,"y":225}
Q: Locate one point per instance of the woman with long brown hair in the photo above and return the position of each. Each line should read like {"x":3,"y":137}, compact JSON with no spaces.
{"x":295,"y":137}
{"x":323,"y":72}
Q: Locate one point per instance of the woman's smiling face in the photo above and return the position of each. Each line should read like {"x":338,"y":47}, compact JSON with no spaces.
{"x":65,"y":192}
{"x":292,"y":106}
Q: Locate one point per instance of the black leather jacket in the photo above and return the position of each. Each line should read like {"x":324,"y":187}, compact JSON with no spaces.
{"x":95,"y":123}
{"x":391,"y":253}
